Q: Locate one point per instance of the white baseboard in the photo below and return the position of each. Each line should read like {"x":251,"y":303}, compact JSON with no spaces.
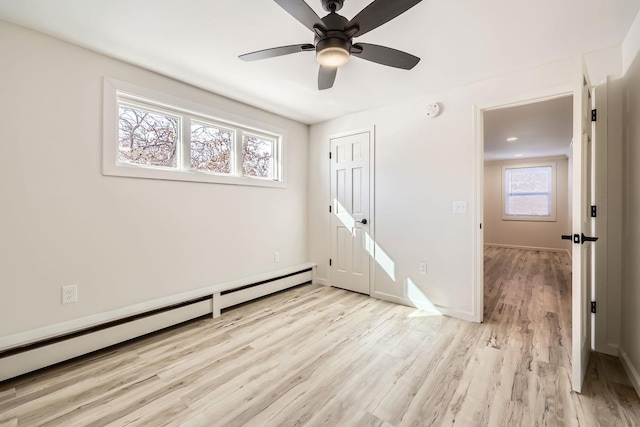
{"x":610,"y":349}
{"x":24,"y":338}
{"x":244,"y":295}
{"x":630,"y":369}
{"x":318,"y":281}
{"x":426,"y":306}
{"x":51,"y":354}
{"x":530,"y":248}
{"x":43,"y":347}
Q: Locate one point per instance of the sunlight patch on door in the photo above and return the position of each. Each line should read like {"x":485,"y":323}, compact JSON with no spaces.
{"x":375,"y":251}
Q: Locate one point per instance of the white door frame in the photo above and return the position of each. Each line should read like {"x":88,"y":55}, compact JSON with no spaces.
{"x":601,"y":322}
{"x":371,"y":219}
{"x":478,"y":126}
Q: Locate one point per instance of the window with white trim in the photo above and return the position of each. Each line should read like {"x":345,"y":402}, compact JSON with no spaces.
{"x":154,"y":138}
{"x":529,"y":193}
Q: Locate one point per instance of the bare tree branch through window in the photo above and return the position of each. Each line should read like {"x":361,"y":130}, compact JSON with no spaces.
{"x":257,"y":157}
{"x":178,"y":142}
{"x":211,"y":148}
{"x":147,"y":138}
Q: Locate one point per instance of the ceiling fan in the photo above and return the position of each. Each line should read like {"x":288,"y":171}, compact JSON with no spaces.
{"x":333,"y":42}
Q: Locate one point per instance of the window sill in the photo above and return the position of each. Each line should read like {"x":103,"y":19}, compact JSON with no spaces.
{"x":529,"y":218}
{"x":175,"y":175}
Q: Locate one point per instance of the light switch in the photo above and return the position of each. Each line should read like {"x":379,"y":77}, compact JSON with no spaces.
{"x":459,"y":207}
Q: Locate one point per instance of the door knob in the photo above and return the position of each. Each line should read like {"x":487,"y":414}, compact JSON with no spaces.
{"x":588,"y":239}
{"x":363,"y":222}
{"x":574,"y":237}
{"x":577,"y":238}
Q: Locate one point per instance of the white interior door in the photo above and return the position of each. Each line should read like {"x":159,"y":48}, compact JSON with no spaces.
{"x":350,"y":209}
{"x":582,"y":254}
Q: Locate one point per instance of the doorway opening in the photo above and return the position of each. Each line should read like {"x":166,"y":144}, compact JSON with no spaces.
{"x":521,"y":196}
{"x":527,"y":175}
{"x":526,"y":206}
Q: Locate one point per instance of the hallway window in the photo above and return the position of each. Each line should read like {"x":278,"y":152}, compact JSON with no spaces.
{"x":529,"y":193}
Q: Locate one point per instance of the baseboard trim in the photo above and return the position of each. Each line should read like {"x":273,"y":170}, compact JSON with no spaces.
{"x":631,"y":371}
{"x":611,"y":350}
{"x":530,"y":248}
{"x":318,"y":281}
{"x":426,"y":306}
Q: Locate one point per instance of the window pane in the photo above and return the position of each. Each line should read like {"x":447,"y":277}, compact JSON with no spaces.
{"x":257,"y":156}
{"x":147,"y":138}
{"x":528,"y":191}
{"x":211,"y":148}
{"x":528,"y":205}
{"x":529,"y":180}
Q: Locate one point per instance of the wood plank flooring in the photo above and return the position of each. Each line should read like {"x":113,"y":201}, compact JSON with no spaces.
{"x":320,"y":356}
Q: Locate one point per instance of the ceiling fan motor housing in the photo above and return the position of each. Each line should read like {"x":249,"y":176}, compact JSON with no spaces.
{"x":332,"y":5}
{"x":333,"y":35}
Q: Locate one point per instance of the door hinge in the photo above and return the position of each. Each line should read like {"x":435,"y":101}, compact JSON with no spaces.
{"x":480,"y":226}
{"x":329,"y":208}
{"x":594,"y":115}
{"x":329,"y":262}
{"x":329,"y":154}
{"x":594,"y":211}
{"x":593,"y":307}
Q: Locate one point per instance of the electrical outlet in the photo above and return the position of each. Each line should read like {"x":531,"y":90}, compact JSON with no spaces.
{"x":69,"y":294}
{"x":276,"y":257}
{"x":423,"y":268}
{"x":460,"y":207}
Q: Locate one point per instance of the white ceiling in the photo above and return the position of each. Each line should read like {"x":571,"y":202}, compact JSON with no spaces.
{"x":198,"y":41}
{"x":543,"y":129}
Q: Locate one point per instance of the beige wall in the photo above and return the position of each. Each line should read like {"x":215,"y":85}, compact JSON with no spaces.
{"x":537,"y":234}
{"x":123,"y":241}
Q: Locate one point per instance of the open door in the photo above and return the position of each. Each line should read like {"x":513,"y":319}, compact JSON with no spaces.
{"x":582,"y":257}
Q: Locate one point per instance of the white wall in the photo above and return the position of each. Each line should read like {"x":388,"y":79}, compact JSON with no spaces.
{"x":537,"y":234}
{"x":631,"y":45}
{"x":422,"y":166}
{"x":123,"y":241}
{"x":630,"y":337}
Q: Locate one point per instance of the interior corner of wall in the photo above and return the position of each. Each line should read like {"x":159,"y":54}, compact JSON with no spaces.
{"x":631,"y":45}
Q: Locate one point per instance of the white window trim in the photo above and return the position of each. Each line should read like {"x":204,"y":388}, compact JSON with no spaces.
{"x":111,"y":166}
{"x":554,"y":192}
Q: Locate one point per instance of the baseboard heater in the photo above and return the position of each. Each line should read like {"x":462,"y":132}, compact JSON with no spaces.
{"x":27,"y":357}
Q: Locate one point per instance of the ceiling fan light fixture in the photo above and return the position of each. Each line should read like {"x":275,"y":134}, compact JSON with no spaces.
{"x":333,"y":57}
{"x":334,"y":34}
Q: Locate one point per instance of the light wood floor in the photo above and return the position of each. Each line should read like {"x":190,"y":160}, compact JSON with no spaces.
{"x":321,"y":356}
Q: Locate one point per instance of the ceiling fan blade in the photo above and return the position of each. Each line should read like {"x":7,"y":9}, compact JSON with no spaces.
{"x":277,"y":51}
{"x":378,"y":13}
{"x":300,"y":10}
{"x":326,"y":77}
{"x":385,"y":55}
